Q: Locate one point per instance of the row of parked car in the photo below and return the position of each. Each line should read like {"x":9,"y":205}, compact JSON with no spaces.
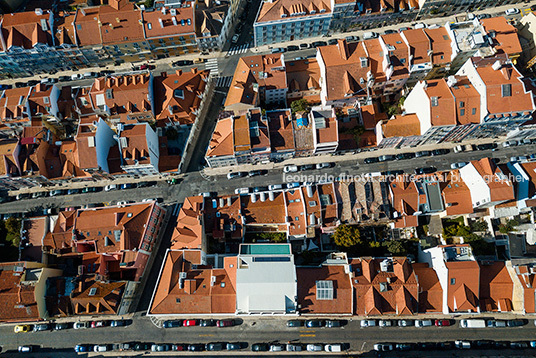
{"x":57,"y":192}
{"x":464,"y":323}
{"x":160,"y":347}
{"x":315,"y":323}
{"x":459,"y":344}
{"x":409,"y":155}
{"x":38,"y":327}
{"x":199,"y":322}
{"x":297,"y":347}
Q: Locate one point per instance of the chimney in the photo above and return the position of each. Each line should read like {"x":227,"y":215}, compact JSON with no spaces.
{"x":114,"y":4}
{"x":174,"y":20}
{"x":194,"y":70}
{"x":189,"y":286}
{"x":451,"y":81}
{"x":163,"y":74}
{"x":343,"y":49}
{"x":81,"y":286}
{"x":178,"y":72}
{"x":161,"y":22}
{"x":496,"y":65}
{"x":99,"y":83}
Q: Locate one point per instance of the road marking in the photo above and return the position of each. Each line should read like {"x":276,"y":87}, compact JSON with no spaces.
{"x":307,"y":335}
{"x":307,"y":331}
{"x":206,"y":335}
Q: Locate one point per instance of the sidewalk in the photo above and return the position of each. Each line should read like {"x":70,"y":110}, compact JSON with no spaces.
{"x":343,"y":158}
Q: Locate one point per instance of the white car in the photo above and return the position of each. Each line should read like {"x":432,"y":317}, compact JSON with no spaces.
{"x":81,"y":325}
{"x":333,"y":348}
{"x":110,"y":187}
{"x":276,"y":348}
{"x":383,"y":347}
{"x":406,"y":323}
{"x":458,"y":165}
{"x":315,"y":348}
{"x":25,"y":349}
{"x":368,"y":323}
{"x":512,"y":11}
{"x":522,"y":158}
{"x":290,"y":168}
{"x":235,"y":38}
{"x":423,"y":323}
{"x":385,"y":323}
{"x":323,"y":165}
{"x":275,"y":187}
{"x":100,"y":348}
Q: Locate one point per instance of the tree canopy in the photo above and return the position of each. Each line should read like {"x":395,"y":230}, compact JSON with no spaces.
{"x":347,"y":236}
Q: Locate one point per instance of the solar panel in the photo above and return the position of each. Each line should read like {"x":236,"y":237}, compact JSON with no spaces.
{"x":324,"y":290}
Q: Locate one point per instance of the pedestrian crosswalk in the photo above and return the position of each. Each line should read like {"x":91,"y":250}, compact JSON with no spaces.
{"x":224,"y":81}
{"x":212,"y":65}
{"x":235,"y":50}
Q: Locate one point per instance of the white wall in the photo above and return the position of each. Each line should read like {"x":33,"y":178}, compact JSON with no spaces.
{"x":480,"y":191}
{"x":104,"y":139}
{"x":418,"y":102}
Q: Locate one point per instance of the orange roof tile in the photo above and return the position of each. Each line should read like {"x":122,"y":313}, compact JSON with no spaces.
{"x":456,"y":194}
{"x":402,"y":126}
{"x":275,"y":10}
{"x":157,"y":24}
{"x":464,"y":285}
{"x":419,"y":45}
{"x":496,"y":287}
{"x":504,"y":35}
{"x":281,"y":130}
{"x":441,"y":45}
{"x":500,"y":186}
{"x":431,"y":293}
{"x":18,"y":299}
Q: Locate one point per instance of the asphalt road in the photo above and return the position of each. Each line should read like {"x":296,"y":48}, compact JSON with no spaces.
{"x":195,"y":183}
{"x":254,"y":330}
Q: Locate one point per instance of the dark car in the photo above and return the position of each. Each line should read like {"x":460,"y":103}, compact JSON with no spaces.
{"x":64,"y":78}
{"x":295,"y":323}
{"x":82,"y":348}
{"x":172,"y":324}
{"x":426,"y":346}
{"x":423,"y":153}
{"x":445,"y":345}
{"x":214,"y":347}
{"x":61,"y":326}
{"x":260,"y":347}
{"x":371,"y":160}
{"x":482,"y":344}
{"x":519,"y":345}
{"x":120,"y":323}
{"x":486,"y":146}
{"x":142,"y":347}
{"x":501,"y":344}
{"x":41,"y":327}
{"x":515,"y":323}
{"x":293,"y":48}
{"x":425,"y":170}
{"x":404,"y":346}
{"x":179,"y":347}
{"x":196,"y":347}
{"x":387,"y":32}
{"x":207,"y":323}
{"x":332,"y":323}
{"x":440,"y":151}
{"x":332,"y":42}
{"x":258,"y":189}
{"x":306,"y":167}
{"x":318,"y":44}
{"x":255,"y":173}
{"x":302,"y":46}
{"x":20,"y":84}
{"x":393,"y":173}
{"x":402,"y":156}
{"x":225,"y":323}
{"x":233,"y":346}
{"x":183,"y":63}
{"x":314,"y":323}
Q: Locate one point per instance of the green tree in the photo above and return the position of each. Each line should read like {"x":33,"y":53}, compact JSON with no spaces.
{"x":396,"y":247}
{"x":12,"y":226}
{"x":300,"y":105}
{"x":347,"y":236}
{"x":273,"y":236}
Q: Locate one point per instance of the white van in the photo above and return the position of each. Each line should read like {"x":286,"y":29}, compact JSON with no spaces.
{"x":423,"y":323}
{"x":473,"y":323}
{"x":333,"y":348}
{"x":370,"y":35}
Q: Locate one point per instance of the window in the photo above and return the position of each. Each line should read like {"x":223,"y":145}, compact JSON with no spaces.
{"x":452,"y":281}
{"x":473,"y":111}
{"x":462,"y":112}
{"x":507,"y":90}
{"x":462,"y":104}
{"x":435,"y":101}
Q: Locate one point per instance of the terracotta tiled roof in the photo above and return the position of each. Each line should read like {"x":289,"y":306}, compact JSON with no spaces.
{"x":371,"y":115}
{"x":463,"y":285}
{"x":122,"y":94}
{"x":162,"y":22}
{"x":93,"y":297}
{"x":222,"y":142}
{"x":295,"y":213}
{"x":496,"y":287}
{"x":398,"y":55}
{"x":431,"y":293}
{"x":441,"y":45}
{"x":188,"y":234}
{"x":500,"y":186}
{"x":137,"y":148}
{"x":25,"y":30}
{"x":393,"y":291}
{"x":8,"y":159}
{"x":405,"y":197}
{"x":402,"y":126}
{"x":179,"y":95}
{"x":307,"y":292}
{"x":345,"y":59}
{"x":504,"y":35}
{"x":456,"y":194}
{"x":18,"y":299}
{"x":198,"y":294}
{"x":419,"y":45}
{"x":303,"y":76}
{"x":277,"y":9}
{"x":281,"y":131}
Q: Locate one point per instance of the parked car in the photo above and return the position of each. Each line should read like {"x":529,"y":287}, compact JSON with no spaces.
{"x":333,"y":348}
{"x":22,"y":328}
{"x":304,"y":46}
{"x":307,"y":167}
{"x":386,"y":158}
{"x":97,"y":324}
{"x":368,"y":323}
{"x":370,"y":160}
{"x":214,"y":346}
{"x":82,"y":325}
{"x":196,"y":347}
{"x":521,"y":158}
{"x":41,"y":327}
{"x":515,"y":323}
{"x":234,"y":175}
{"x":495,"y":323}
{"x":25,"y":349}
{"x":255,"y":173}
{"x":519,"y":345}
{"x":458,"y":165}
{"x":314,"y":323}
{"x":101,"y":348}
{"x":295,"y":323}
{"x":294,"y":347}
{"x":402,"y":156}
{"x":83,"y":348}
{"x":383,"y":347}
{"x":142,"y":346}
{"x":225,"y":323}
{"x":276,"y":348}
{"x":160,"y":348}
{"x":233,"y":346}
{"x":190,"y":323}
{"x":423,"y":323}
{"x":110,"y":187}
{"x":442,"y":322}
{"x":182,"y":63}
{"x":120,"y":323}
{"x":423,"y":153}
{"x":207,"y":323}
{"x":290,"y":168}
{"x":442,"y":151}
{"x":385,"y":323}
{"x":425,"y":170}
{"x":315,"y":348}
{"x":323,"y":165}
{"x":332,"y":41}
{"x":389,"y":31}
{"x":179,"y":347}
{"x":318,"y":44}
{"x":73,"y":191}
{"x":404,"y":346}
{"x":260,"y":347}
{"x":406,"y":323}
{"x":61,"y":326}
{"x":509,"y":143}
{"x":293,"y":48}
{"x":511,"y":11}
{"x":333,"y":323}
